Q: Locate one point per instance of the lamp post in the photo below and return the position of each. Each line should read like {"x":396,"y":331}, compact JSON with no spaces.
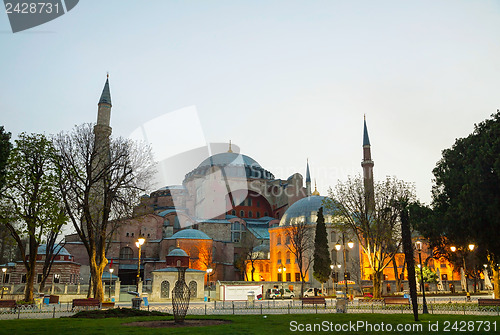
{"x":280,"y":270}
{"x":3,"y":279}
{"x":209,"y":271}
{"x":471,"y":247}
{"x":418,"y":246}
{"x":338,"y":246}
{"x":139,"y":244}
{"x":110,"y":281}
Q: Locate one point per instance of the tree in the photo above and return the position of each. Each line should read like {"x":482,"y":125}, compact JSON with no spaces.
{"x":100,"y":183}
{"x":466,"y":193}
{"x":7,"y":243}
{"x":301,"y":244}
{"x":429,"y":275}
{"x":377,"y":226}
{"x":248,"y":244}
{"x":30,"y":205}
{"x":322,"y":262}
{"x":52,"y":249}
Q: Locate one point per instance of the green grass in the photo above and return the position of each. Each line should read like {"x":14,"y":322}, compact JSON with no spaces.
{"x":248,"y":324}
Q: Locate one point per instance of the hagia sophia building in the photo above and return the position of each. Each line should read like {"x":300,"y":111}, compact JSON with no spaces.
{"x":225,"y":204}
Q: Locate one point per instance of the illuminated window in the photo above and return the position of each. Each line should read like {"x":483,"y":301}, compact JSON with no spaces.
{"x":297,"y":276}
{"x":57,"y":278}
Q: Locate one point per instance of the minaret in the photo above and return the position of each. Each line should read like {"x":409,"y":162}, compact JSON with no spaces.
{"x":367,"y":165}
{"x":102,"y":130}
{"x":308,"y":180}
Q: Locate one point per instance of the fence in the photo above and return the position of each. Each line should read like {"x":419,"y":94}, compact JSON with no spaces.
{"x":267,"y":307}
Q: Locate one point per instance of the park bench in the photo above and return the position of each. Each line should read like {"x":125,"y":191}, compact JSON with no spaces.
{"x":313,"y":301}
{"x":8,"y":304}
{"x":108,"y":304}
{"x":396,"y":301}
{"x":489,"y":302}
{"x":86,"y":303}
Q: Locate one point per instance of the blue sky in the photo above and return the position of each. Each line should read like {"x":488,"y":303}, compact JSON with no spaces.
{"x":284,"y":80}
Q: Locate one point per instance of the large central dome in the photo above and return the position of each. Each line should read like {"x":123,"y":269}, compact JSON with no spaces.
{"x":234,"y":165}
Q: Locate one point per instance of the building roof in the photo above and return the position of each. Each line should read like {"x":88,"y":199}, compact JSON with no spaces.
{"x":177,"y":252}
{"x":171,"y":269}
{"x":190,"y":233}
{"x":105,"y":96}
{"x":261,"y":233}
{"x":306,"y":210}
{"x":58,"y":249}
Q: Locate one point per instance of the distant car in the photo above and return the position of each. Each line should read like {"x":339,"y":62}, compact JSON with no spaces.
{"x":310,"y":292}
{"x":276,"y":294}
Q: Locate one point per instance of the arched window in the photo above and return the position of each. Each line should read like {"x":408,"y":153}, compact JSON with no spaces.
{"x":287,"y":239}
{"x":250,"y":214}
{"x":279,"y":257}
{"x":242,"y":214}
{"x":165,"y":289}
{"x":278,"y":240}
{"x":258,"y":214}
{"x":193,"y":288}
{"x":126,"y":253}
{"x":233,"y":212}
{"x":288,"y":257}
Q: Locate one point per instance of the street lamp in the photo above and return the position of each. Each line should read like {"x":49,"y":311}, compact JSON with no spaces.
{"x":3,"y":279}
{"x":139,"y":243}
{"x":110,"y":281}
{"x":471,"y":247}
{"x":282,"y":269}
{"x":209,"y":271}
{"x":418,"y":246}
{"x":338,"y":246}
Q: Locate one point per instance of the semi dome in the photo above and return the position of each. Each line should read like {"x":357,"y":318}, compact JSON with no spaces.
{"x":234,"y":164}
{"x":306,"y":210}
{"x":190,"y":233}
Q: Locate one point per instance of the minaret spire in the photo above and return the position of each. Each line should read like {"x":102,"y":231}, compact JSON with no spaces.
{"x":367,"y":165}
{"x":308,"y":179}
{"x":229,"y":150}
{"x":102,"y":129}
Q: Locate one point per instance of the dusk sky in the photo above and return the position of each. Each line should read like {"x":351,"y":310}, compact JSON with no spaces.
{"x":283,"y":80}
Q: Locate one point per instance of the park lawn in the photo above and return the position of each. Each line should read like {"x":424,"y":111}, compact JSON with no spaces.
{"x":248,"y":324}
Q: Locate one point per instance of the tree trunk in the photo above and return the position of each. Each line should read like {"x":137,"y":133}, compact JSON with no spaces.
{"x":377,"y":285}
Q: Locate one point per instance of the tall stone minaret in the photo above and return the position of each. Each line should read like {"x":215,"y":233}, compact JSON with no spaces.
{"x":308,"y":180}
{"x":102,"y":132}
{"x":367,"y":165}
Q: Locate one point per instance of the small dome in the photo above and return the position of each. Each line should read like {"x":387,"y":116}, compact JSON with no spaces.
{"x":177,"y":252}
{"x":190,"y":233}
{"x":306,"y":210}
{"x":58,"y":249}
